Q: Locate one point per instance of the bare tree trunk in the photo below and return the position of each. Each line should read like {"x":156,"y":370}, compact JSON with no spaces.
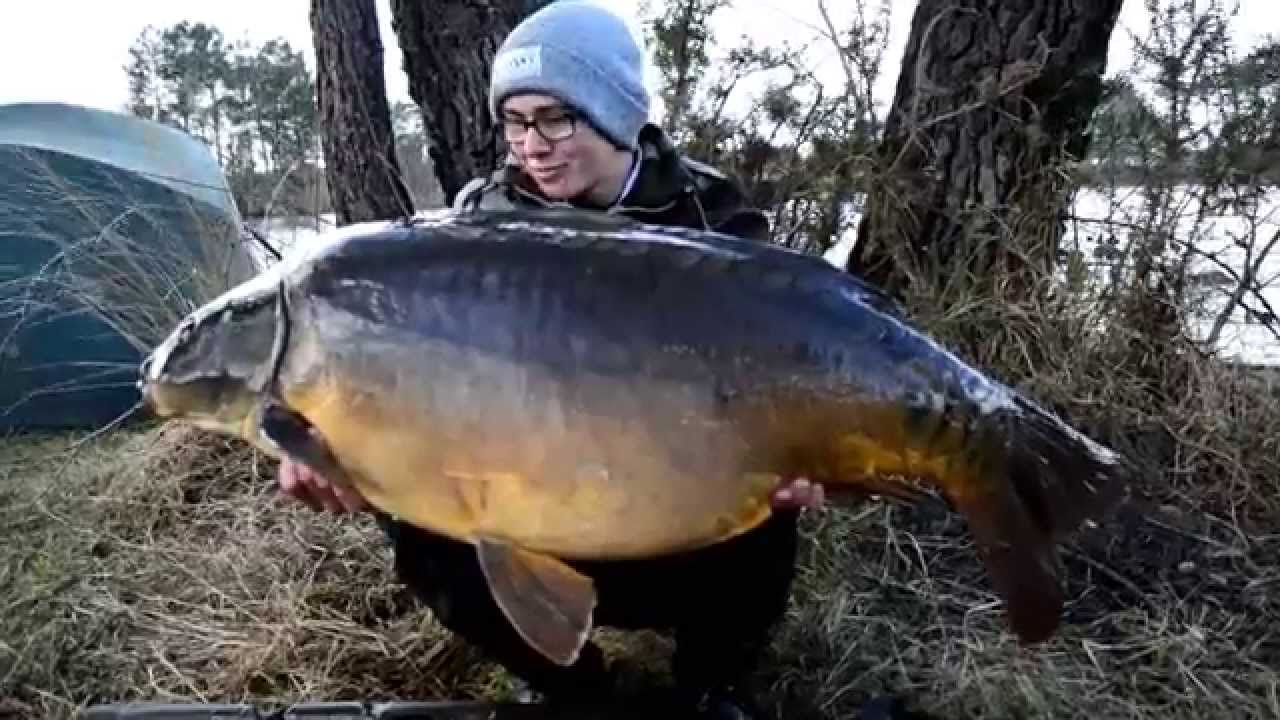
{"x":993,"y":97}
{"x":355,"y":119}
{"x":448,"y":46}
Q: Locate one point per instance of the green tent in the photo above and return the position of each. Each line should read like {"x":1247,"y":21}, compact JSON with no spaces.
{"x":111,"y":228}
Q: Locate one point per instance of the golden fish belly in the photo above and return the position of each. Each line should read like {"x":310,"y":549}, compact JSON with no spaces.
{"x":581,"y":465}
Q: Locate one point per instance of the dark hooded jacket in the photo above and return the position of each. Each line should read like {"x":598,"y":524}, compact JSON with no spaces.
{"x":670,"y":189}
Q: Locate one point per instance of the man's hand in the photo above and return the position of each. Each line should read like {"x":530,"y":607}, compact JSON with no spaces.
{"x":798,"y":493}
{"x":303,"y":483}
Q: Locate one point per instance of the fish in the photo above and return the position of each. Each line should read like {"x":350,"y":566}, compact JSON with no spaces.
{"x":555,"y":385}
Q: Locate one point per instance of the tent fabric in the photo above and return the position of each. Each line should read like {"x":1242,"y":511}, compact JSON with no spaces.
{"x":161,"y":153}
{"x":76,"y":185}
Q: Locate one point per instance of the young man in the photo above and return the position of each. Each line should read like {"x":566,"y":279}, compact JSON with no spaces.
{"x":567,"y":87}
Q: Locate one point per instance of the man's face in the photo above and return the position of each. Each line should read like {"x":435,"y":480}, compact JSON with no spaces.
{"x":572,"y":157}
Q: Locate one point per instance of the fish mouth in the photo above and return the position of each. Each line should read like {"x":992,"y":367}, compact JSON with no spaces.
{"x":152,"y":374}
{"x":144,"y":370}
{"x":146,"y":386}
{"x":217,"y":404}
{"x":164,"y":400}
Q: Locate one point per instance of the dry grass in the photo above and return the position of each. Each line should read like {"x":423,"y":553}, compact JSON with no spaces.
{"x":163,"y":566}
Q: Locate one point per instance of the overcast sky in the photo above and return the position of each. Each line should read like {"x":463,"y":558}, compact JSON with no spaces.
{"x":74,"y":50}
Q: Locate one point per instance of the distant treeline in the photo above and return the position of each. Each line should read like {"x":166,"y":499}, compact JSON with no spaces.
{"x":254,"y":106}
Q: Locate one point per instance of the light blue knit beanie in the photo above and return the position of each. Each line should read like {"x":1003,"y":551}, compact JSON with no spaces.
{"x":582,"y":54}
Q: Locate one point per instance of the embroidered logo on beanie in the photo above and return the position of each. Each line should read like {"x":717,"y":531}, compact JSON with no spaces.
{"x":519,"y":64}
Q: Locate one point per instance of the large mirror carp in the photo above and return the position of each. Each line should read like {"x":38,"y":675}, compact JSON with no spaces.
{"x":556,"y":385}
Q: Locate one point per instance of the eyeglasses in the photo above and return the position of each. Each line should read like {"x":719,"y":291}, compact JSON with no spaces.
{"x":559,"y":126}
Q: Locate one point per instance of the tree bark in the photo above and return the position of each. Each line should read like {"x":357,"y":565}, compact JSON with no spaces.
{"x":993,"y":97}
{"x":448,"y":46}
{"x":355,"y":119}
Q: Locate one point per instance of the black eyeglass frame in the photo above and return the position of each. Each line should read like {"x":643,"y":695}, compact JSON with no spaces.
{"x":563,"y":115}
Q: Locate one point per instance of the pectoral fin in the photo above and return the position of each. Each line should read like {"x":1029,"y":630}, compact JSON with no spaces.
{"x":549,"y":603}
{"x":294,"y":436}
